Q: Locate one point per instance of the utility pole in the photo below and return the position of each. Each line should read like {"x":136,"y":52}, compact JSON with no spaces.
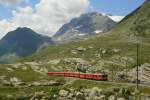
{"x":137,"y":69}
{"x":112,"y":72}
{"x":126,"y":69}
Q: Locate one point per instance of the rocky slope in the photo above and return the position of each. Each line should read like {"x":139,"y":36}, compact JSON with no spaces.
{"x":86,"y":25}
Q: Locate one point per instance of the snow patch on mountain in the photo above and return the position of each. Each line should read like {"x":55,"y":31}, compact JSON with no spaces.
{"x":98,"y":31}
{"x":116,"y":18}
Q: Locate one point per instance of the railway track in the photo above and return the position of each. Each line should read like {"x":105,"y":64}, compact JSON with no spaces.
{"x":94,"y":77}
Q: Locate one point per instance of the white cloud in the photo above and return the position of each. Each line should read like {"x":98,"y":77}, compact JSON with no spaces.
{"x":6,"y":26}
{"x":47,"y":16}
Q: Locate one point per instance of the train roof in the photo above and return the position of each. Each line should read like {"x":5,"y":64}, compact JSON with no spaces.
{"x":79,"y":73}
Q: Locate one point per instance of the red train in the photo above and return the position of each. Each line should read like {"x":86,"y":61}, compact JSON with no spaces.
{"x":98,"y":77}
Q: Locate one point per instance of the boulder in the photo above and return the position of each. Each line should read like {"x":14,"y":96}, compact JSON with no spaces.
{"x":63,"y":93}
{"x":102,"y":97}
{"x":90,"y":47}
{"x":112,"y":97}
{"x":80,"y":96}
{"x":16,"y":82}
{"x":9,"y":69}
{"x":116,"y":50}
{"x":121,"y":98}
{"x":95,"y":91}
{"x":75,"y":61}
{"x":24,"y":68}
{"x":6,"y":83}
{"x":81,"y":49}
{"x":54,"y":61}
{"x":36,"y":84}
{"x":74,"y":52}
{"x":70,"y":96}
{"x":38,"y":95}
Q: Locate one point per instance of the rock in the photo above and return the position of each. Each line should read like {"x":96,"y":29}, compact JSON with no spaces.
{"x":74,"y":52}
{"x":97,"y":98}
{"x":121,"y":99}
{"x":90,"y":47}
{"x":32,"y":63}
{"x":6,"y":83}
{"x":86,"y":92}
{"x":16,"y":82}
{"x":112,"y":97}
{"x":35,"y":68}
{"x":104,"y":51}
{"x":10,"y":96}
{"x":54,"y":62}
{"x":44,"y":83}
{"x":75,"y":61}
{"x":24,"y":68}
{"x":81,"y":49}
{"x":55,"y":96}
{"x":2,"y":77}
{"x":98,"y":55}
{"x":61,"y":98}
{"x":102,"y":97}
{"x":17,"y":65}
{"x":43,"y":70}
{"x":36,"y":84}
{"x":70,"y":96}
{"x":80,"y":96}
{"x":9,"y":69}
{"x":94,"y":92}
{"x":63,"y":93}
{"x":38,"y":95}
{"x":116,"y":90}
{"x":143,"y":72}
{"x":122,"y":91}
{"x":116,"y":50}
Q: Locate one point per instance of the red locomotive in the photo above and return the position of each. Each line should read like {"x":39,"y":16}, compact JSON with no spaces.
{"x":98,"y":77}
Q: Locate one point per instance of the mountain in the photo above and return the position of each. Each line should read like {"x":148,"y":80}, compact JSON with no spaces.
{"x":107,"y":49}
{"x":22,"y":42}
{"x":86,"y":25}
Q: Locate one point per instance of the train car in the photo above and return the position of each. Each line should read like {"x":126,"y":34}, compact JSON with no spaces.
{"x":98,"y":77}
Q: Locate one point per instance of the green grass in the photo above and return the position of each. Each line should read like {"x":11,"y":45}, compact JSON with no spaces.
{"x":90,"y":84}
{"x":145,"y":90}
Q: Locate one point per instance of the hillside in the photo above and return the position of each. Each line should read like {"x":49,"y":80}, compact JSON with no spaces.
{"x":135,"y":26}
{"x":118,"y":38}
{"x":21,"y":42}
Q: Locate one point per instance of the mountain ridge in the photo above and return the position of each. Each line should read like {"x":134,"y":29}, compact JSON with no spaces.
{"x":86,"y":25}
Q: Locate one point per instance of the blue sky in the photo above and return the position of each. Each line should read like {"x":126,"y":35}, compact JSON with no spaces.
{"x":114,"y":7}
